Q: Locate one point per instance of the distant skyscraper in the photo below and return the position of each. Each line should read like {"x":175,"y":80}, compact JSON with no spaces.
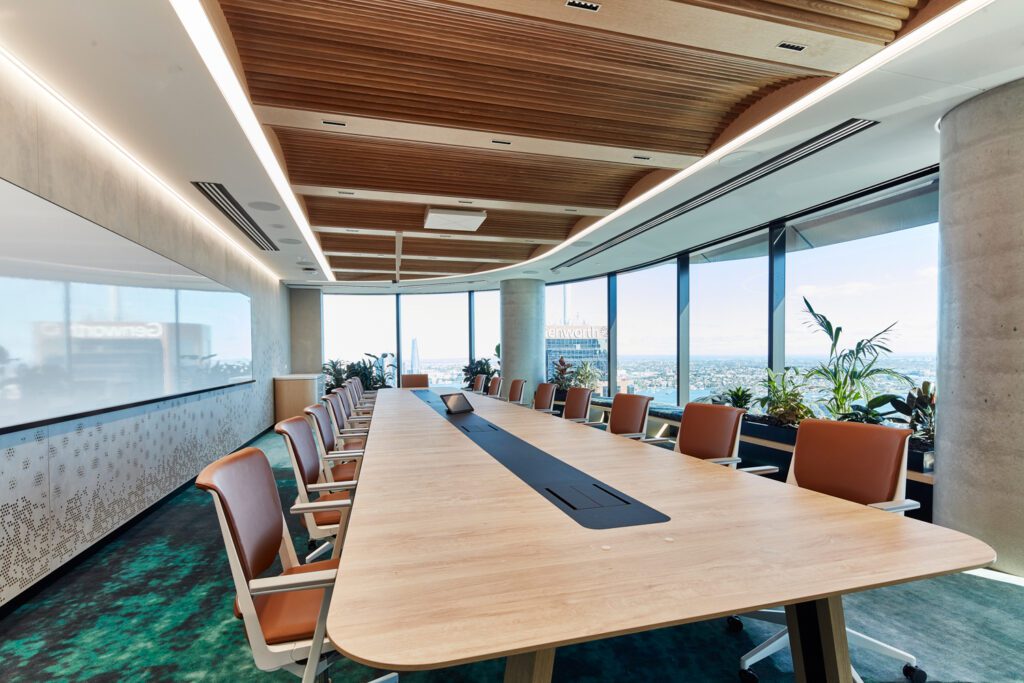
{"x":414,"y":363}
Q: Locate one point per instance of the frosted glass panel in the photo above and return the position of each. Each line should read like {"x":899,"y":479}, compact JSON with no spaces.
{"x":90,"y":320}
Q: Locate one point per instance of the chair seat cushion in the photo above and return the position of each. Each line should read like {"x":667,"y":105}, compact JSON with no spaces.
{"x":345,"y":471}
{"x":291,"y":616}
{"x":351,"y":444}
{"x":328,"y":517}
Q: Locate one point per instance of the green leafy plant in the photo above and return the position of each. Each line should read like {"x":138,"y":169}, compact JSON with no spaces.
{"x":870,"y":412}
{"x":784,"y":399}
{"x":497,"y":355}
{"x":561,"y":374}
{"x":918,"y":411}
{"x":847,"y":376}
{"x":334,"y":374}
{"x":480,"y":366}
{"x":739,"y":397}
{"x":586,"y":376}
{"x":374,"y":372}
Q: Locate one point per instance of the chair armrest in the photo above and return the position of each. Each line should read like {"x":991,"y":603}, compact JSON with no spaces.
{"x":352,"y":434}
{"x":729,"y":461}
{"x":319,"y":506}
{"x":344,"y":455}
{"x":583,"y":420}
{"x":333,"y":486}
{"x":762,"y":470}
{"x":358,"y":419}
{"x":896,"y":505}
{"x":323,"y":578}
{"x":636,"y":437}
{"x":658,"y":439}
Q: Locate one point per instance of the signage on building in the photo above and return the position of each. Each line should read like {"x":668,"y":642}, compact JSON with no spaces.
{"x":577,"y":332}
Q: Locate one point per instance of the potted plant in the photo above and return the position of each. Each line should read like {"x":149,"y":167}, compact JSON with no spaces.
{"x":739,"y":397}
{"x":480,"y":366}
{"x":918,"y":413}
{"x":562,"y":377}
{"x":334,"y":374}
{"x":585,"y":376}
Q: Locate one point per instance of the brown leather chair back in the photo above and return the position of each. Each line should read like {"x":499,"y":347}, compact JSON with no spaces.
{"x":494,"y":386}
{"x":245,"y":486}
{"x":544,"y":397}
{"x":298,"y":435}
{"x":478,"y":382}
{"x":859,"y":462}
{"x":577,"y":404}
{"x":322,"y":422}
{"x":336,"y":408}
{"x":709,"y":431}
{"x":515,"y":390}
{"x":629,"y":414}
{"x":346,"y":403}
{"x":416,"y":381}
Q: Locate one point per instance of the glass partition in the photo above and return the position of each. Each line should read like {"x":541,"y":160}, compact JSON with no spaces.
{"x":646,"y":324}
{"x":487,"y":324}
{"x":435,"y":337}
{"x":577,"y":329}
{"x":729,"y":316}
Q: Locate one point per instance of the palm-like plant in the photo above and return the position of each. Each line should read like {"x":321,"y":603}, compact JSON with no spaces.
{"x":784,"y":397}
{"x":739,"y":397}
{"x":848,"y":374}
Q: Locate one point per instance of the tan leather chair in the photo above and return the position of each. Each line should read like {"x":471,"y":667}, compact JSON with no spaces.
{"x":478,"y":383}
{"x":329,"y":447}
{"x":515,"y":391}
{"x":415,"y":381}
{"x":628,"y":416}
{"x":314,"y":484}
{"x":494,"y":387}
{"x":712,"y":433}
{"x":340,"y":418}
{"x":577,"y":404}
{"x":544,"y":397}
{"x":354,"y":417}
{"x":862,"y":463}
{"x":359,"y":402}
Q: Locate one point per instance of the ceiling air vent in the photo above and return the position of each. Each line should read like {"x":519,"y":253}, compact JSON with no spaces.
{"x":579,"y":4}
{"x":792,"y":47}
{"x":229,"y":206}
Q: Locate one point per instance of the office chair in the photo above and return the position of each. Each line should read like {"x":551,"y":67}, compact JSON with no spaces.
{"x":328,"y":446}
{"x":544,"y":398}
{"x":339,"y":418}
{"x":494,"y":387}
{"x":314,"y":486}
{"x":577,"y":404}
{"x":353,"y":386}
{"x":712,"y":433}
{"x":863,"y":463}
{"x":415,"y":382}
{"x":478,"y":383}
{"x":354,"y":418}
{"x":285,"y":615}
{"x":628,"y":416}
{"x":515,"y":391}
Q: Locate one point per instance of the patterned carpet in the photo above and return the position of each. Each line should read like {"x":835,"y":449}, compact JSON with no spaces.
{"x":154,"y":604}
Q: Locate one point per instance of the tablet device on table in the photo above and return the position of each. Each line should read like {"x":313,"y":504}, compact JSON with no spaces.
{"x":455,"y":404}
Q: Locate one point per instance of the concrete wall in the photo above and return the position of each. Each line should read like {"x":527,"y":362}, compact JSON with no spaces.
{"x":67,"y":485}
{"x":522,"y":333}
{"x":979,"y":457}
{"x":307,"y":329}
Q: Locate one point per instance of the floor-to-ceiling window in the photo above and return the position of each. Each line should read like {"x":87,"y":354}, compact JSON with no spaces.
{"x":359,"y":324}
{"x":646,"y":324}
{"x":435,"y":336}
{"x":729,"y":316}
{"x":577,"y":330}
{"x":487,"y":325}
{"x":865,"y":267}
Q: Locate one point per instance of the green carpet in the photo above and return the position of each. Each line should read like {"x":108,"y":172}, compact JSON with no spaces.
{"x":155,"y":604}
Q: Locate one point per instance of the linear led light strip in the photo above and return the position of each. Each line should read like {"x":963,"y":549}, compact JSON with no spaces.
{"x":197,"y":24}
{"x":895,"y":49}
{"x":35,"y":78}
{"x":776,"y":163}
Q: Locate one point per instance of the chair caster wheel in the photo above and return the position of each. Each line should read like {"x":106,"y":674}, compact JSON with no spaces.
{"x":747,"y":676}
{"x":733,"y":624}
{"x":914,"y":674}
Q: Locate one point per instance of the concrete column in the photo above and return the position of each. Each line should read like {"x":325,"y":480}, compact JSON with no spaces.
{"x":979,"y":455}
{"x":307,"y":329}
{"x":522,"y":333}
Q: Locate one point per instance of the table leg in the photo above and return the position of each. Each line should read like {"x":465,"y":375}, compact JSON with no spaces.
{"x":817,"y":638}
{"x":530,"y":667}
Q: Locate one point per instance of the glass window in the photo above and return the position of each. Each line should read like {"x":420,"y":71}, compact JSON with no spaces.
{"x":865,"y":267}
{"x":646,"y":329}
{"x":487,"y":324}
{"x":729,"y":316}
{"x":435,"y":337}
{"x":358,"y":324}
{"x":577,"y":328}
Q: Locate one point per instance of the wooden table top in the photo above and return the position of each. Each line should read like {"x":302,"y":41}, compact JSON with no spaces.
{"x":451,"y":558}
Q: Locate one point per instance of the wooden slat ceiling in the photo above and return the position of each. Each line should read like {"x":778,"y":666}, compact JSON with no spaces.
{"x":876,"y":21}
{"x":408,"y":217}
{"x":353,"y":161}
{"x":424,"y":61}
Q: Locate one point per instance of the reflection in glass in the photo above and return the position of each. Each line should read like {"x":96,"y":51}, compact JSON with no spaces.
{"x":729,"y":317}
{"x":646,"y":324}
{"x":435,"y":337}
{"x":577,"y":328}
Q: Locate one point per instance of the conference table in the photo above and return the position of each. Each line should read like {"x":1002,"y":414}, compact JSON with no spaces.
{"x":454,"y":554}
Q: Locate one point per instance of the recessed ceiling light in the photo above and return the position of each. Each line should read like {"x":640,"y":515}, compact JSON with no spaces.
{"x":572,"y":210}
{"x":290,"y":240}
{"x":279,"y":226}
{"x":530,"y":272}
{"x":351,"y":230}
{"x":345,"y":192}
{"x":641,"y":157}
{"x":264,"y":206}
